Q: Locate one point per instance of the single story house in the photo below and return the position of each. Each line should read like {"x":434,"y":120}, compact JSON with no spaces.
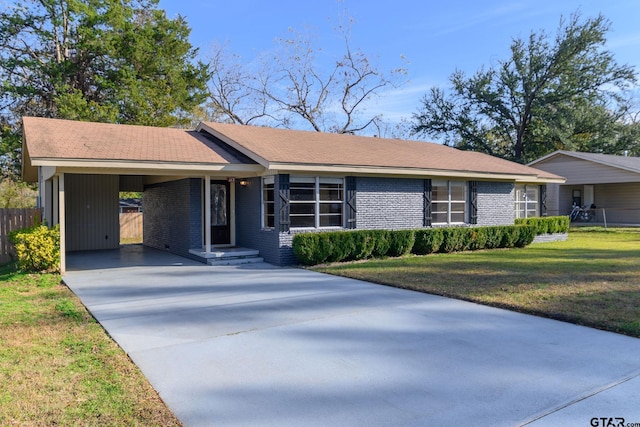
{"x":611,"y":183}
{"x":225,"y":185}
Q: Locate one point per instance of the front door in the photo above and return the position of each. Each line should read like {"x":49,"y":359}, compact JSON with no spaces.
{"x":220,"y":207}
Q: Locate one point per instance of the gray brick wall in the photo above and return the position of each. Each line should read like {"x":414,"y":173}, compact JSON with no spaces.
{"x":496,"y":203}
{"x":249,"y":233}
{"x":392,"y":203}
{"x":172,"y":216}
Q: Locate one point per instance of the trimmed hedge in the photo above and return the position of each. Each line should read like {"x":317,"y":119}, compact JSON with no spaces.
{"x":336,"y":246}
{"x":547,"y":225}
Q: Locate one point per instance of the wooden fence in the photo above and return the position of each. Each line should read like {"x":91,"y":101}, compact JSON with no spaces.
{"x":131,"y":227}
{"x":14,"y":219}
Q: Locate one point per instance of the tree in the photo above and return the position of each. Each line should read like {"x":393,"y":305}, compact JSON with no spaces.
{"x":541,"y":99}
{"x":99,"y":60}
{"x":291,"y":88}
{"x":16,"y":195}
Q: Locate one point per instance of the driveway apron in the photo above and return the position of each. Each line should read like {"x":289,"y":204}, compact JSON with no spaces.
{"x":267,"y":346}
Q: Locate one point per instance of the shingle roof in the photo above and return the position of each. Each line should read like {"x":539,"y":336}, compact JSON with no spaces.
{"x":627,"y":163}
{"x":54,"y":142}
{"x":314,"y":148}
{"x":68,"y":139}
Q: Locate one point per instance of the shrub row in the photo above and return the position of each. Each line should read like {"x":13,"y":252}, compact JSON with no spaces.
{"x":335,"y":246}
{"x":548,"y":224}
{"x":37,"y":248}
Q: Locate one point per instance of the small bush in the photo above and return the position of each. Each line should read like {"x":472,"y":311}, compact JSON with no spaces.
{"x":37,"y":248}
{"x":365,"y":242}
{"x":510,"y":236}
{"x":493,"y":237}
{"x":427,"y":241}
{"x":526,"y":235}
{"x":306,"y":247}
{"x":478,"y":238}
{"x":547,"y":225}
{"x":401,"y":242}
{"x":382,"y":243}
{"x":455,"y":239}
{"x":341,"y":246}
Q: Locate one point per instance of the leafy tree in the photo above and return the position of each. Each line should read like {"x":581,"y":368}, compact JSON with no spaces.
{"x":550,"y":94}
{"x":99,"y":60}
{"x":16,"y":195}
{"x":290,"y":87}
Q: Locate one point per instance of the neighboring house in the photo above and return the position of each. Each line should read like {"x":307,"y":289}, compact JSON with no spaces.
{"x":609,"y":182}
{"x":232,"y":185}
{"x":130,"y":205}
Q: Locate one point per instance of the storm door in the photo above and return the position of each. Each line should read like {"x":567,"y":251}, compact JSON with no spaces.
{"x":220,"y":207}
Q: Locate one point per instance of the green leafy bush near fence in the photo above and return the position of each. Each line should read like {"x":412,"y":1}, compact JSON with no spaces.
{"x":548,"y":224}
{"x":37,"y":248}
{"x":336,"y":246}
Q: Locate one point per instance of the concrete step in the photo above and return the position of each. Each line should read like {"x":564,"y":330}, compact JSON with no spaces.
{"x":234,"y":261}
{"x":228,"y":256}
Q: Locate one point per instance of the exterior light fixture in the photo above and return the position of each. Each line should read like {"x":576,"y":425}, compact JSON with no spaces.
{"x":243,"y":182}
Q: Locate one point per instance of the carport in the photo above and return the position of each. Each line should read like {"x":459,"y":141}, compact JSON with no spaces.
{"x":81,"y":167}
{"x":262,"y":345}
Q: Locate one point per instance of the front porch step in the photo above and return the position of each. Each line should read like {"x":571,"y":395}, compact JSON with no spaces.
{"x":234,"y":261}
{"x":228,"y":256}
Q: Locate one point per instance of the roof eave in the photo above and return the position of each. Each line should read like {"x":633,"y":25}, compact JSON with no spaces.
{"x":147,"y":167}
{"x":400,"y":171}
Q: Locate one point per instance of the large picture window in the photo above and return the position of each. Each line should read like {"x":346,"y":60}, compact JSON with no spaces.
{"x":526,"y":202}
{"x":316,"y":202}
{"x":448,"y":202}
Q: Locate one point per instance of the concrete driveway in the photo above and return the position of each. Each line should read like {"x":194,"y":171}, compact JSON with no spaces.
{"x":260,"y":345}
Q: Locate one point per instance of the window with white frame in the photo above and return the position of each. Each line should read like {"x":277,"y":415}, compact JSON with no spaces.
{"x":448,"y":202}
{"x":316,"y":202}
{"x":268,"y":197}
{"x":526,"y":202}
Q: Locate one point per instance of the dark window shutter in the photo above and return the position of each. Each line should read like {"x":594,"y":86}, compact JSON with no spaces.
{"x":427,"y":203}
{"x":543,"y":200}
{"x":350,"y":191}
{"x":283,"y":191}
{"x":473,"y":202}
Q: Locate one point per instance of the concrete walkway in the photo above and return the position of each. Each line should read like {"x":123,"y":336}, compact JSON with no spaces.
{"x":266,"y":346}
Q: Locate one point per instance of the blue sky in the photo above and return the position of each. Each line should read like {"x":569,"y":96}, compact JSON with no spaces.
{"x":435,"y":37}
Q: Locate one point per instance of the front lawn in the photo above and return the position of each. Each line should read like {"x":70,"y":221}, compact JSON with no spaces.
{"x":592,"y":279}
{"x":59,"y":367}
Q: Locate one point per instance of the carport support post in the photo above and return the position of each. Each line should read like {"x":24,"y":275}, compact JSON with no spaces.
{"x":61,"y":217}
{"x":207,"y":214}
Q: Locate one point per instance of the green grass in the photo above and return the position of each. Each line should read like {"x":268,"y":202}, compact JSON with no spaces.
{"x":59,"y":367}
{"x":592,"y":279}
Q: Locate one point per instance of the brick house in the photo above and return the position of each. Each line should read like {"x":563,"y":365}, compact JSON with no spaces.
{"x":226,"y":185}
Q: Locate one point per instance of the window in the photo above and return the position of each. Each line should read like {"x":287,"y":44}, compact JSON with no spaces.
{"x":268,"y":196}
{"x":526,"y":202}
{"x":316,"y":202}
{"x":448,"y":201}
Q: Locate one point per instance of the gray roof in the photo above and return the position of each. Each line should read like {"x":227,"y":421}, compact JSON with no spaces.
{"x":621,"y":162}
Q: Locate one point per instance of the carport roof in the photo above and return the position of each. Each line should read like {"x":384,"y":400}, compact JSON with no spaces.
{"x":631,"y":164}
{"x":58,"y":142}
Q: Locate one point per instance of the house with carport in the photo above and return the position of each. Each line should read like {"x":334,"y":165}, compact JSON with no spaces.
{"x":209,"y":191}
{"x":610,"y":182}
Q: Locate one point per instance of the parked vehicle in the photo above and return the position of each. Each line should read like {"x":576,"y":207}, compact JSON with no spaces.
{"x":582,"y":213}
